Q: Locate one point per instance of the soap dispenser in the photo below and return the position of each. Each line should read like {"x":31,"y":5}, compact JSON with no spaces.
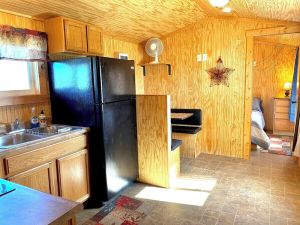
{"x":42,"y":119}
{"x":34,"y":122}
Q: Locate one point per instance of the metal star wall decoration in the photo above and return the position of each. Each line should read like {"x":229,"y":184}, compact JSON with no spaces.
{"x":219,"y":74}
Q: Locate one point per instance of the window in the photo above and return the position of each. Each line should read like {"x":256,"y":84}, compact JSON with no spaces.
{"x":18,"y":78}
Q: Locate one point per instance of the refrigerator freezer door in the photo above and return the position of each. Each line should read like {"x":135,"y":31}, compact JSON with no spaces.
{"x":117,"y":79}
{"x":120,"y":144}
{"x":71,"y":89}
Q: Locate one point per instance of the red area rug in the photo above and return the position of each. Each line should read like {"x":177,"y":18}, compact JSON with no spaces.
{"x":122,"y":211}
{"x":281,"y":145}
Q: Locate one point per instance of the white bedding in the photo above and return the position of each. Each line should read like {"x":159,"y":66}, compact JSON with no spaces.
{"x":258,"y":135}
{"x":257,"y":116}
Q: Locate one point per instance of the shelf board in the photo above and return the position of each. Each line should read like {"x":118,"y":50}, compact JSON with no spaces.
{"x":156,"y":64}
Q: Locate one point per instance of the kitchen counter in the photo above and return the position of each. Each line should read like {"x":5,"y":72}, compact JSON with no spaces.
{"x":48,"y":140}
{"x":27,"y":207}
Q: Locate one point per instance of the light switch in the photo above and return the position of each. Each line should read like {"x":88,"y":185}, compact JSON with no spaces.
{"x":199,"y":58}
{"x":204,"y":57}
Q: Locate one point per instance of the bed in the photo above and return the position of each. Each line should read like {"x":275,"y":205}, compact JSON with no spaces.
{"x":258,"y":135}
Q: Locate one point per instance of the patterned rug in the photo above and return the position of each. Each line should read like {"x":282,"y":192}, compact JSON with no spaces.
{"x":122,"y":211}
{"x":281,"y":145}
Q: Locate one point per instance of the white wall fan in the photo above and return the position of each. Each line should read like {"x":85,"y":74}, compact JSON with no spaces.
{"x":154,"y":48}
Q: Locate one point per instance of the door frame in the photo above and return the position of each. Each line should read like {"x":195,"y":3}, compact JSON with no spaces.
{"x":250,"y":35}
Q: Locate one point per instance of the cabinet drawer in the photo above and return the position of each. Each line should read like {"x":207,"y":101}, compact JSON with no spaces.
{"x":282,"y":102}
{"x":282,"y":109}
{"x":284,"y":116}
{"x":36,"y":157}
{"x":283,"y":125}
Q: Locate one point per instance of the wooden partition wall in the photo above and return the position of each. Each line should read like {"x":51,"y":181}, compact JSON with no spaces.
{"x":157,"y":163}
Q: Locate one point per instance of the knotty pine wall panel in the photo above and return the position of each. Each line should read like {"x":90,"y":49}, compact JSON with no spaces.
{"x":274,"y":67}
{"x":21,"y":22}
{"x":8,"y":114}
{"x":189,"y":84}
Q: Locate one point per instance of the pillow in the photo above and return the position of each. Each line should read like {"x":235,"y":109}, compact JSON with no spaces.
{"x":257,"y":104}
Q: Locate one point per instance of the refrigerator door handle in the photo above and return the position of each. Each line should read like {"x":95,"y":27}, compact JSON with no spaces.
{"x":102,"y":70}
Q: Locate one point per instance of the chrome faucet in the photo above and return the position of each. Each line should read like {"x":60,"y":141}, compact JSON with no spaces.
{"x":9,"y":128}
{"x":16,"y":125}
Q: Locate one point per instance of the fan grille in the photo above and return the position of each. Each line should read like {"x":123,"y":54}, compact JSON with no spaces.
{"x":154,"y":47}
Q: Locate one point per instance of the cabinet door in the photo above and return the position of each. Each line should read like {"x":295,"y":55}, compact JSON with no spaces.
{"x":73,"y":176}
{"x":41,"y":178}
{"x":95,"y":40}
{"x":75,"y":35}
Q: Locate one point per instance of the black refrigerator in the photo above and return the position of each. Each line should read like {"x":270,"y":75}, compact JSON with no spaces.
{"x":99,"y":93}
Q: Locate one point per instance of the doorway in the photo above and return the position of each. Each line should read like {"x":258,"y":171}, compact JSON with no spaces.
{"x":271,"y":55}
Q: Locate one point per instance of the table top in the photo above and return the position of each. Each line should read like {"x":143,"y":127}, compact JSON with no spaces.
{"x":27,"y":206}
{"x":181,"y":116}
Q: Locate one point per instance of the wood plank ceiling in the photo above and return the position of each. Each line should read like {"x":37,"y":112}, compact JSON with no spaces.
{"x":139,"y":20}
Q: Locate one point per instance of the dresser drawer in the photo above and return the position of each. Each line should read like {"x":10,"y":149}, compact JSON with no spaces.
{"x":283,"y":125}
{"x":281,"y":109}
{"x":281,"y":116}
{"x":282,"y":102}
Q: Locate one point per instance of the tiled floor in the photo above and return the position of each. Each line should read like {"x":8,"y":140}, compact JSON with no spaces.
{"x":264,"y":190}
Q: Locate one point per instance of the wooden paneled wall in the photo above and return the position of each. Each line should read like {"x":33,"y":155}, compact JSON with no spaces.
{"x":189,"y":85}
{"x":274,"y":66}
{"x":8,"y":114}
{"x":21,"y":21}
{"x":23,"y":112}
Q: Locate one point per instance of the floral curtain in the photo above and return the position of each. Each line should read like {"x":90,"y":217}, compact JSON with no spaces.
{"x":22,"y":44}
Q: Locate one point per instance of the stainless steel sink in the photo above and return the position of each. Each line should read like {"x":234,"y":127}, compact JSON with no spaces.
{"x":51,"y":130}
{"x":13,"y":140}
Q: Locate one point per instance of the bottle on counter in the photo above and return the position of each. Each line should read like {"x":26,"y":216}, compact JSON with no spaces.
{"x":34,"y":122}
{"x":42,"y":119}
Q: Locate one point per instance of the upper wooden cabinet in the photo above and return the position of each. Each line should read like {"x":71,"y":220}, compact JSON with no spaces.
{"x":75,"y":35}
{"x":71,"y":36}
{"x":95,"y":40}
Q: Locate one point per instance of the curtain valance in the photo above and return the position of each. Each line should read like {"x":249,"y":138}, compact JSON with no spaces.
{"x":22,"y":44}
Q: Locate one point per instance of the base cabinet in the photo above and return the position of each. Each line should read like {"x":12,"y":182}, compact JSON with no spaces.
{"x":40,"y":178}
{"x":73,"y":176}
{"x":59,"y":169}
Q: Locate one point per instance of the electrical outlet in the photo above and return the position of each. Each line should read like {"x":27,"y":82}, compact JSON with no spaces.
{"x":204,"y":57}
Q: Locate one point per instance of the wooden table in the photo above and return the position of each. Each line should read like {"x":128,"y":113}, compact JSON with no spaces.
{"x":27,"y":207}
{"x":181,"y":116}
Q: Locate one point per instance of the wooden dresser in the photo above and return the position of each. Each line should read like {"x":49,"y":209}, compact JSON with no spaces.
{"x":281,"y":122}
